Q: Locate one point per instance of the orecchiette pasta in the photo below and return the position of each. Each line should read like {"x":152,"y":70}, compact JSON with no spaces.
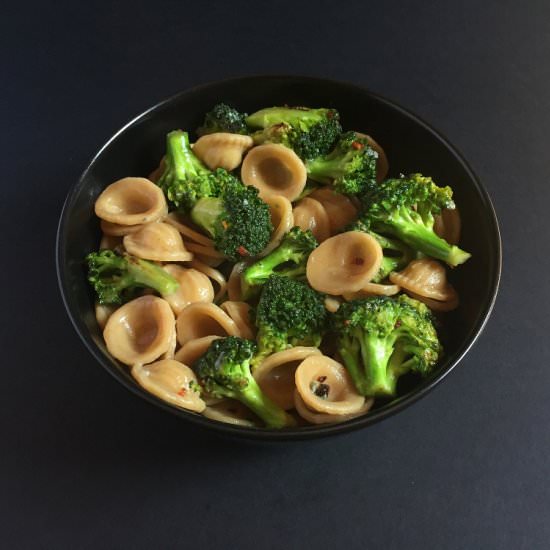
{"x":231,"y":412}
{"x":198,"y":320}
{"x":372,"y":289}
{"x":157,"y":241}
{"x":140,"y":331}
{"x":310,"y":214}
{"x":222,"y":150}
{"x":131,"y":201}
{"x":108,"y":242}
{"x":274,"y":170}
{"x":315,"y":417}
{"x":194,"y":286}
{"x":275,"y":375}
{"x":157,"y":172}
{"x":447,"y":225}
{"x":170,"y":381}
{"x":344,"y":263}
{"x":325,"y":386}
{"x":339,"y":208}
{"x":118,"y":230}
{"x":214,"y":274}
{"x":188,"y":233}
{"x":427,"y":279}
{"x":234,"y":291}
{"x":282,"y":220}
{"x":102,"y":314}
{"x":382,"y":165}
{"x":240,"y":313}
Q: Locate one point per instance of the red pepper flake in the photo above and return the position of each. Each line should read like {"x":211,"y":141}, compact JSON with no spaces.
{"x":358,"y":261}
{"x":347,"y":322}
{"x":357,"y":145}
{"x":182,"y":392}
{"x":321,"y":378}
{"x":397,"y":324}
{"x":242,"y":251}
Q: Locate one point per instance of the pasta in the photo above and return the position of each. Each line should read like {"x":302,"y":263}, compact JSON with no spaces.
{"x":194,"y":286}
{"x":314,"y":417}
{"x":426,"y":279}
{"x":198,"y":320}
{"x":170,"y":381}
{"x":282,"y":219}
{"x":222,"y":150}
{"x":118,"y":230}
{"x":157,"y":241}
{"x":275,"y":375}
{"x":175,"y":306}
{"x":325,"y":386}
{"x":140,"y":331}
{"x":239,"y":312}
{"x":344,"y":263}
{"x":310,"y":214}
{"x":131,"y":201}
{"x":275,"y":170}
{"x":447,"y":225}
{"x":339,"y":208}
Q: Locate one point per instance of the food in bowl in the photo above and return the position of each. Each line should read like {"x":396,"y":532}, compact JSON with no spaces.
{"x":271,"y":273}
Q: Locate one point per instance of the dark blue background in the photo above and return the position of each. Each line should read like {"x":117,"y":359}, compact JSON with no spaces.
{"x":85,"y":464}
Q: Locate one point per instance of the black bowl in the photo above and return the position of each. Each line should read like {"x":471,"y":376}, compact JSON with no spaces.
{"x":411,"y":146}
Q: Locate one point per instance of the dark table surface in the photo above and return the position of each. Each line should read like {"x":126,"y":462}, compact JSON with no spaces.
{"x":86,"y":464}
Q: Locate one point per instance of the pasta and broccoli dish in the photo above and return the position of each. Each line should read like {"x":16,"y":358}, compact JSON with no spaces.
{"x":270,"y":273}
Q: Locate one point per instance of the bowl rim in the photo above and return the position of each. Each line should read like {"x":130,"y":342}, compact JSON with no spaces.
{"x":304,"y":432}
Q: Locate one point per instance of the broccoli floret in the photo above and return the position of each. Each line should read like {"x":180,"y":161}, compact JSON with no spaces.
{"x":396,"y":255}
{"x":289,"y":313}
{"x":288,"y":259}
{"x":405,"y":208}
{"x":349,"y":167}
{"x":223,"y":118}
{"x":309,"y":132}
{"x":116,"y":278}
{"x":238,"y":220}
{"x":224,"y":371}
{"x":381,"y":338}
{"x":185,"y":179}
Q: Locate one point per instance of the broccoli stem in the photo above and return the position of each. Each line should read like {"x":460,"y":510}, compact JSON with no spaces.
{"x":148,"y":274}
{"x":253,"y":397}
{"x":261,"y":270}
{"x":325,"y":171}
{"x":183,"y":161}
{"x":376,"y":353}
{"x":275,"y":115}
{"x":426,"y":241}
{"x":207,"y":212}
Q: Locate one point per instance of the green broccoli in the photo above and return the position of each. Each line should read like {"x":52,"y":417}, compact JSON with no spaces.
{"x":288,"y":259}
{"x":185,"y":179}
{"x":224,"y":371}
{"x":289,"y":313}
{"x":396,"y":255}
{"x":116,"y":278}
{"x":238,"y":220}
{"x":223,"y":118}
{"x":309,"y":132}
{"x":381,"y":338}
{"x":405,"y":208}
{"x":350,"y":167}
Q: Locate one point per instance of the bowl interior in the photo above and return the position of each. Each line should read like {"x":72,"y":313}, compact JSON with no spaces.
{"x":411,"y":146}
